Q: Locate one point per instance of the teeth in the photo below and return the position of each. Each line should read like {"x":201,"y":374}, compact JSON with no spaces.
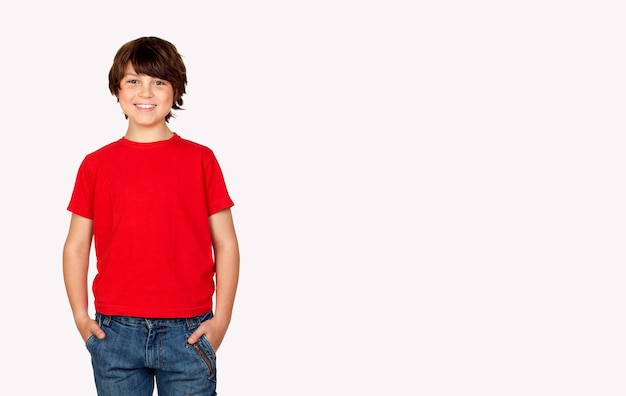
{"x":145,"y":106}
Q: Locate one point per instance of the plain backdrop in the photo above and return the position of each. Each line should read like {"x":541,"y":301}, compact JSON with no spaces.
{"x":429,"y":195}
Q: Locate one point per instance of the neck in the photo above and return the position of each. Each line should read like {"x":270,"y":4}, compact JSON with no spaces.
{"x":148,"y":135}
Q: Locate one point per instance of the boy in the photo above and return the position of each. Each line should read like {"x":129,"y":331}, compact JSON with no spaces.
{"x":157,"y":208}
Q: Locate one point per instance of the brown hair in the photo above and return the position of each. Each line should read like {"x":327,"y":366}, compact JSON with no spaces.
{"x":154,"y":57}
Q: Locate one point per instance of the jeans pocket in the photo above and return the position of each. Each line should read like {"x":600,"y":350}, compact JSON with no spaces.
{"x":90,"y":340}
{"x":206,"y":353}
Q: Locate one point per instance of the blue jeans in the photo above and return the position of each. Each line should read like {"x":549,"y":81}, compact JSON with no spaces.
{"x":136,"y":351}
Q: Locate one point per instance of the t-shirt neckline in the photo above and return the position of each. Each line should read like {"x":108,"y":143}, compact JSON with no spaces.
{"x":157,"y":143}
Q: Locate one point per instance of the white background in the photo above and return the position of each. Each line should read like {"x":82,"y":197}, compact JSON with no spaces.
{"x":429,"y":195}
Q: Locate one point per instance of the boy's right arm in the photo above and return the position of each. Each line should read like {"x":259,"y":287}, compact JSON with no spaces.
{"x":75,"y":269}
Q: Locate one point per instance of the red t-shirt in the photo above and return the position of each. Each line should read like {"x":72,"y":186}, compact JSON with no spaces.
{"x":150,"y":204}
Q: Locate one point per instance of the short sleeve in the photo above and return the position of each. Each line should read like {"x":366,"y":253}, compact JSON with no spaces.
{"x":217,"y":195}
{"x":81,"y":202}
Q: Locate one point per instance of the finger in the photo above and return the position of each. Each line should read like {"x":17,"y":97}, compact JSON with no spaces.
{"x":195,"y":336}
{"x":98,"y":332}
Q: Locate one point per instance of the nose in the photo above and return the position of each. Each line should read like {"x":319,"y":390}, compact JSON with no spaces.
{"x":145,"y":90}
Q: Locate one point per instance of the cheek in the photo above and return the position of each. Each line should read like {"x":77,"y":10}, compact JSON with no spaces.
{"x":125,"y":96}
{"x":169,"y":100}
{"x":127,"y":92}
{"x":167,"y":97}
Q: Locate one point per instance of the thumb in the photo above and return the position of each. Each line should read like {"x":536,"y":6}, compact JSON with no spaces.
{"x":99,"y":332}
{"x":195,"y":336}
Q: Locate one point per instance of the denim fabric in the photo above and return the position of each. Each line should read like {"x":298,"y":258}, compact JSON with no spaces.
{"x":138,"y":351}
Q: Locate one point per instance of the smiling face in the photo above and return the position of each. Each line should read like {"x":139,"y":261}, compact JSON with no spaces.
{"x":150,"y":56}
{"x":145,"y":100}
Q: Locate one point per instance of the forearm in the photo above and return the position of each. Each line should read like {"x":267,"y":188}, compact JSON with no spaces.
{"x":76,"y":264}
{"x":75,"y":268}
{"x":226,"y":251}
{"x":227,"y":278}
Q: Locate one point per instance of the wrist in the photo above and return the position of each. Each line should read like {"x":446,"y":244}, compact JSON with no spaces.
{"x":221,"y":320}
{"x":81,"y":316}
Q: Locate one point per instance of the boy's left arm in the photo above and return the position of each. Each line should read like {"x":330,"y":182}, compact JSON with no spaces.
{"x":226,"y":251}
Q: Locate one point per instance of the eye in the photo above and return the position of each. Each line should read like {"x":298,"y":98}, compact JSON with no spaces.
{"x":159,"y":82}
{"x":132,"y":81}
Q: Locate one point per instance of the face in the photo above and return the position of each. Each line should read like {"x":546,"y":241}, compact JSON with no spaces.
{"x":146,"y":100}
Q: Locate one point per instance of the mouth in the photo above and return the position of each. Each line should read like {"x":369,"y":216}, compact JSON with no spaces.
{"x":145,"y":106}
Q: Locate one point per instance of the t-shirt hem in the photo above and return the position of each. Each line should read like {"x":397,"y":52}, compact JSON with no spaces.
{"x":163,"y":314}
